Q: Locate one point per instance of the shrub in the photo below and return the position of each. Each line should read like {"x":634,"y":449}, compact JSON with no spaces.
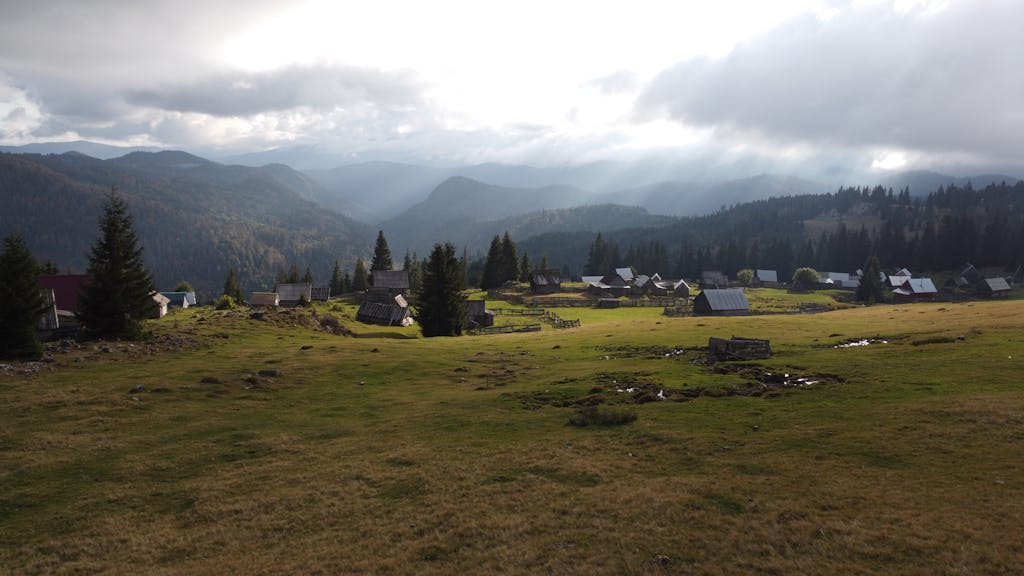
{"x":602,"y":416}
{"x":225,"y":302}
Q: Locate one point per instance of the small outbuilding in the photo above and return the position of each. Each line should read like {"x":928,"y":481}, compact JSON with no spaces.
{"x":292,"y":294}
{"x":916,"y":289}
{"x":993,"y":288}
{"x":395,"y":313}
{"x":721,"y":302}
{"x":545,"y":281}
{"x":265,"y":299}
{"x":478,"y":315}
{"x":160,"y":303}
{"x":767,"y":278}
{"x":180,"y":299}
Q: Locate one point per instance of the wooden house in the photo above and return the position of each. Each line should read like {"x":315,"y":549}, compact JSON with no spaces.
{"x":265,"y":299}
{"x":721,"y":302}
{"x":48,"y":320}
{"x":767,"y":278}
{"x":916,"y":289}
{"x":320,"y":293}
{"x":545,"y":281}
{"x":180,"y":299}
{"x":160,"y":303}
{"x":478,"y":315}
{"x":393,"y":313}
{"x":386,"y":284}
{"x":993,"y":288}
{"x":292,"y":294}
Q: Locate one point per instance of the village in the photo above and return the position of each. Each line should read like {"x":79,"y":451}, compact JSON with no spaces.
{"x":389,"y":299}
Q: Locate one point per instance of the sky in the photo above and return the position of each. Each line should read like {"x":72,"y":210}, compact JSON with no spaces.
{"x":880,"y":85}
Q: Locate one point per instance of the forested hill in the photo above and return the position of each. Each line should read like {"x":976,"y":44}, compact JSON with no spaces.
{"x":838,"y":231}
{"x":195,"y":219}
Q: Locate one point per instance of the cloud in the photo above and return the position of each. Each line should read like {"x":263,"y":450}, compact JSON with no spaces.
{"x":938,"y":81}
{"x":314,"y":87}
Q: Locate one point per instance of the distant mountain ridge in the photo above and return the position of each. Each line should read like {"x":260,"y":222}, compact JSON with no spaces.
{"x":195,"y":218}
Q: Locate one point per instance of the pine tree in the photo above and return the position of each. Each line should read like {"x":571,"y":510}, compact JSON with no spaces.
{"x":119,"y":294}
{"x":346,"y":284}
{"x":232,"y":287}
{"x":381,"y":254}
{"x":293,"y":275}
{"x":525,"y":268}
{"x":360,"y":279}
{"x":870,"y":289}
{"x":509,"y":260}
{"x":492,"y":266}
{"x":20,"y":302}
{"x":337,"y":282}
{"x":441,"y":309}
{"x":307,"y":278}
{"x":415,"y":274}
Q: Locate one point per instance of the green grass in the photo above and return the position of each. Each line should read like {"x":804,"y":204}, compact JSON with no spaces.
{"x":389,"y":453}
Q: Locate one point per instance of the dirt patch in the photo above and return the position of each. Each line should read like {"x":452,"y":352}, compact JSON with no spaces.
{"x":649,"y":352}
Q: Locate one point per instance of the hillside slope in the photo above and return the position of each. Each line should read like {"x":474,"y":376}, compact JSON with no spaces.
{"x":195,"y":218}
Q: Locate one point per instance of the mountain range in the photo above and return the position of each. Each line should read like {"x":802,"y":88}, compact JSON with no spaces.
{"x":197,"y":217}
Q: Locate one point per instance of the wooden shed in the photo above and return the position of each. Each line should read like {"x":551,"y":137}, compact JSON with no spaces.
{"x":292,"y":294}
{"x":264,"y":299}
{"x":721,"y":302}
{"x":993,"y":288}
{"x":545,"y":281}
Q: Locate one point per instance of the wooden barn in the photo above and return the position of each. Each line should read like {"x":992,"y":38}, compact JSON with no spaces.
{"x":264,"y":299}
{"x":66,"y":288}
{"x":545,"y":281}
{"x":721,"y":302}
{"x":292,"y":294}
{"x":394,"y":313}
{"x":180,"y":299}
{"x":767,"y":278}
{"x":386,"y":284}
{"x":916,"y":289}
{"x":993,"y":288}
{"x":478,"y":315}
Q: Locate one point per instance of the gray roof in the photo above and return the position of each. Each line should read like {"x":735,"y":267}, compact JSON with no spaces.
{"x":378,"y":313}
{"x":625,"y":273}
{"x":767,"y":275}
{"x":997,"y":284}
{"x":591,"y":279}
{"x":726,"y":299}
{"x":546,"y":277}
{"x":917,"y":286}
{"x":394,"y":279}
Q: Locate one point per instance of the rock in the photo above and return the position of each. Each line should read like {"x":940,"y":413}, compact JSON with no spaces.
{"x":137,"y":389}
{"x":210,"y":380}
{"x":661,"y":560}
{"x":105,"y":349}
{"x":307,"y":347}
{"x":270,"y":373}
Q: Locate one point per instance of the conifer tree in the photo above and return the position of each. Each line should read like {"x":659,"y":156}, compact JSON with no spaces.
{"x":870,"y":289}
{"x":381,"y":254}
{"x":441,"y":309}
{"x":20,"y":301}
{"x":232,"y":287}
{"x":119,"y":294}
{"x":509,"y":260}
{"x":360,"y":279}
{"x":492,"y":275}
{"x":293,"y":275}
{"x":337,"y":281}
{"x":308,"y":276}
{"x":525,"y":268}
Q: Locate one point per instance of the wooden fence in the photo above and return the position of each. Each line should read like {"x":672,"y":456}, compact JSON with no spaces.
{"x":507,"y":329}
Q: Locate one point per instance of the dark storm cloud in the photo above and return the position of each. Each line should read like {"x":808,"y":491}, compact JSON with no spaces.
{"x":317,"y":87}
{"x":943,"y":82}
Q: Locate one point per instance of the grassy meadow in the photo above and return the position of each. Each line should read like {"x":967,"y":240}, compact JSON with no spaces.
{"x":386,"y":453}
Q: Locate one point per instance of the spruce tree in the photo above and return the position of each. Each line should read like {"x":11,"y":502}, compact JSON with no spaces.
{"x":308,"y":276}
{"x":509,"y":260}
{"x":232,"y":287}
{"x":441,"y":309}
{"x":492,"y":266}
{"x":381,"y":254}
{"x":525,"y":268}
{"x":337,"y":281}
{"x":119,"y":293}
{"x":870,"y":289}
{"x":360,"y":279}
{"x":21,"y":304}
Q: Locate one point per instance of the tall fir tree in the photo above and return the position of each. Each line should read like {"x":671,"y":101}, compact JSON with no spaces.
{"x":381,"y":254}
{"x":232,"y":287}
{"x":360,"y":279}
{"x":20,"y":302}
{"x":509,"y":260}
{"x":441,"y":308}
{"x":492,"y":274}
{"x":337,"y":281}
{"x":307,"y":277}
{"x":525,"y":268}
{"x":870,"y":289}
{"x":119,"y":293}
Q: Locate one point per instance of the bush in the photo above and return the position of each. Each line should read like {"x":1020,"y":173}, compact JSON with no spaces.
{"x":745,"y":276}
{"x":226,"y":302}
{"x":602,"y":416}
{"x":805,"y":278}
